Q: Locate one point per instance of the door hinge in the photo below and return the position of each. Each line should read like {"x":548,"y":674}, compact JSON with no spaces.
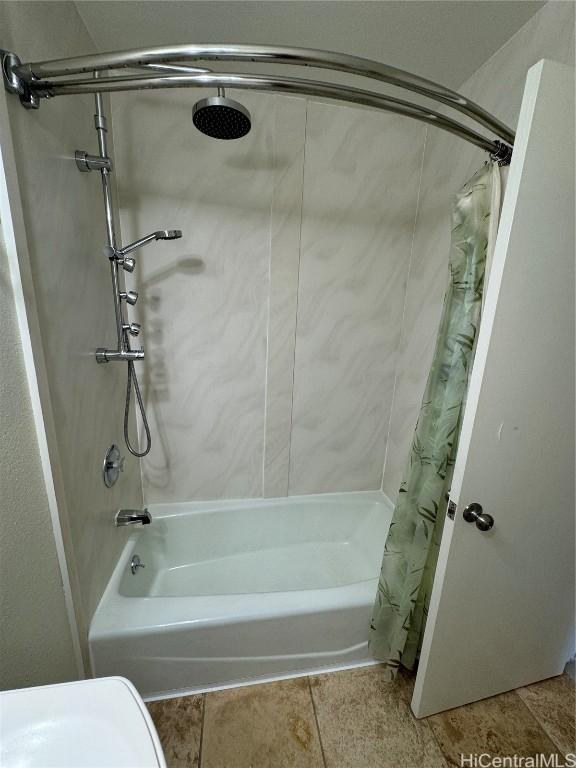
{"x":451,"y":509}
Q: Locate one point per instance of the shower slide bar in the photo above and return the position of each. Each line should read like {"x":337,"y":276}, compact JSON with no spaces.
{"x":36,"y":80}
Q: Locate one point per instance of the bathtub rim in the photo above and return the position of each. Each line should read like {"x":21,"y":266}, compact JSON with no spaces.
{"x":168,"y":510}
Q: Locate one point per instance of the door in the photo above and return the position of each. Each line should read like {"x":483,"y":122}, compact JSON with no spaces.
{"x":502,"y":607}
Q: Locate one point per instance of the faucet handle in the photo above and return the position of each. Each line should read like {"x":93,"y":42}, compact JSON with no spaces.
{"x":128,"y":263}
{"x":117,"y":464}
{"x":113,"y":465}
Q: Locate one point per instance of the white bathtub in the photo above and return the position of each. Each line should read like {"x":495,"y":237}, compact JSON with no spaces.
{"x":238,"y":591}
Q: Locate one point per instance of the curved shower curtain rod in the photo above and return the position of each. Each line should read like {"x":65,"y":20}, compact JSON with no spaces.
{"x":36,"y":80}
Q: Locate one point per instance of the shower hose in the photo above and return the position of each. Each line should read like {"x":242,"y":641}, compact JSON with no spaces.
{"x":132,"y":381}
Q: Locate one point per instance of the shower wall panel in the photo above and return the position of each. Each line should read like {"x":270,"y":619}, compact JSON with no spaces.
{"x":204,"y":298}
{"x":285,"y":228}
{"x":272,"y":326}
{"x":69,"y":291}
{"x":358,"y":212}
{"x":448,"y":163}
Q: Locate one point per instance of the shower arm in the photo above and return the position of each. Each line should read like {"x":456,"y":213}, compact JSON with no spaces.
{"x":122,"y":252}
{"x":36,"y":80}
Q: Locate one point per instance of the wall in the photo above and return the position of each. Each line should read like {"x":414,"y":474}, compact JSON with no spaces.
{"x":272,"y":326}
{"x":359,"y":201}
{"x":68,"y":293}
{"x":498,"y":86}
{"x":35,"y":635}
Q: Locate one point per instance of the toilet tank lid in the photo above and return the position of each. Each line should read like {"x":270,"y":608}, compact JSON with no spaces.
{"x":84,"y":724}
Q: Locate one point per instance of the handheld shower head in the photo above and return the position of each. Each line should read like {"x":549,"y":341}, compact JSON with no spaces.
{"x":168,"y":234}
{"x":161,"y":234}
{"x":221,"y":118}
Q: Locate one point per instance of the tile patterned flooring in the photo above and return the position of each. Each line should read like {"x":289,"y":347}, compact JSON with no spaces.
{"x":358,"y":719}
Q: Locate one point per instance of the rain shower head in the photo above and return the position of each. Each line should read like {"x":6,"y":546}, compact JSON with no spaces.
{"x":221,"y":117}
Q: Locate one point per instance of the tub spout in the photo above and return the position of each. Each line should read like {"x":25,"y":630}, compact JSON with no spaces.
{"x":133,"y":517}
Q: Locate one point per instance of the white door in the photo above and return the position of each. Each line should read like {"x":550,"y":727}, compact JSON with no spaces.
{"x":502,"y":607}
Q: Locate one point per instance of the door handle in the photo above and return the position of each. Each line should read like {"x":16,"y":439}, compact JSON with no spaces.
{"x":473,"y":514}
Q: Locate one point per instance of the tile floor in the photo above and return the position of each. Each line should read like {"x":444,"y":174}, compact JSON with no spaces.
{"x":358,"y":719}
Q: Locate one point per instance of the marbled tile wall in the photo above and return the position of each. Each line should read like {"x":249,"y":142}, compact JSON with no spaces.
{"x":448,"y":163}
{"x":71,"y":294}
{"x":360,"y":190}
{"x":285,"y":230}
{"x":272,"y":326}
{"x":204,"y":297}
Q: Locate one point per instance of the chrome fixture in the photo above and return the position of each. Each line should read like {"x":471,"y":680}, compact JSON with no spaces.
{"x":181,"y":68}
{"x":113,"y":465}
{"x":136,"y":563}
{"x":87,"y":163}
{"x":130,"y":297}
{"x":220,"y":117}
{"x":128,"y":263}
{"x":104,"y":355}
{"x":473,"y":514}
{"x":132,"y":517}
{"x":132,"y":328}
{"x":15,"y":84}
{"x":38,"y":80}
{"x":117,"y":257}
{"x":162,"y":234}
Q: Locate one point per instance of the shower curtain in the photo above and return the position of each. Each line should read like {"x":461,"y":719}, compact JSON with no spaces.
{"x":411,"y":549}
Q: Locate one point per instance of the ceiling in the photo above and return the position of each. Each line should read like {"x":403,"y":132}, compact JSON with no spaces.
{"x":443,"y":40}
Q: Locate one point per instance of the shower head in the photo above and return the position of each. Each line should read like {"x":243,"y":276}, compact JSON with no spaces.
{"x":168,"y":234}
{"x":161,"y":234}
{"x":221,"y":117}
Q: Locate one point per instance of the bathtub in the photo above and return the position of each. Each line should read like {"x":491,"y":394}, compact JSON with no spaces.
{"x":241,"y":591}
